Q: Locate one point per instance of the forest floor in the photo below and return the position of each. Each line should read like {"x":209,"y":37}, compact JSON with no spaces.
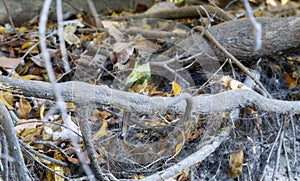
{"x":130,"y":56}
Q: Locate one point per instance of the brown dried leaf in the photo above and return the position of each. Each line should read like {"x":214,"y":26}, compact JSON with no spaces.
{"x":24,"y":108}
{"x":235,"y":164}
{"x":38,"y":59}
{"x":290,"y":81}
{"x":9,"y":62}
{"x":71,"y":38}
{"x":19,"y":128}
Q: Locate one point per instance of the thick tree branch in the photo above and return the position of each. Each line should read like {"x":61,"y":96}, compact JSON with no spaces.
{"x":79,"y":92}
{"x":280,"y":35}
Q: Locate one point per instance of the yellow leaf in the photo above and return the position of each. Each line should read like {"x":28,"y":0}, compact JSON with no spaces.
{"x":176,"y":88}
{"x":28,"y":134}
{"x":5,"y":100}
{"x":178,"y":148}
{"x":2,"y":29}
{"x":31,"y":77}
{"x":26,"y":45}
{"x":236,"y":164}
{"x":57,"y":168}
{"x":21,"y":29}
{"x":70,"y":106}
{"x":102,"y":131}
{"x":42,"y":110}
{"x":53,"y":177}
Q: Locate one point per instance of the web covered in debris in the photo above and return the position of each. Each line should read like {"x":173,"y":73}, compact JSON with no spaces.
{"x":137,"y":52}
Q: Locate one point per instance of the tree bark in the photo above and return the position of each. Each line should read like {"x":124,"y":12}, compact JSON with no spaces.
{"x":279,"y":36}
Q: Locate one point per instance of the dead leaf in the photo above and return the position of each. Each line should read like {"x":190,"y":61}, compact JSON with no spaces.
{"x":73,"y":160}
{"x":31,"y":77}
{"x":102,"y":131}
{"x":175,"y":88}
{"x":194,"y":135}
{"x":27,"y":45}
{"x":38,"y":59}
{"x":20,"y":127}
{"x":6,"y":100}
{"x":71,"y":38}
{"x":9,"y":62}
{"x":178,"y":148}
{"x":57,"y":168}
{"x":144,"y":46}
{"x":123,"y":51}
{"x":184,"y":176}
{"x":67,"y":134}
{"x":21,"y":29}
{"x":85,"y":157}
{"x":236,"y":164}
{"x":290,"y":81}
{"x":24,"y":108}
{"x":47,"y":133}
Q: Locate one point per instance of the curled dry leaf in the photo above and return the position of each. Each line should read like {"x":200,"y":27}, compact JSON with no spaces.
{"x":101,"y":132}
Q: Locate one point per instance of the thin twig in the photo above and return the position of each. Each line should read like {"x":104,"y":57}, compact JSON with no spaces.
{"x":289,"y":172}
{"x":62,"y":43}
{"x":52,"y":146}
{"x":94,"y":13}
{"x":255,"y":25}
{"x":211,"y":77}
{"x":43,"y":165}
{"x":278,"y":155}
{"x":270,"y":153}
{"x":83,"y":114}
{"x":294,"y":140}
{"x":42,"y":155}
{"x":9,"y":17}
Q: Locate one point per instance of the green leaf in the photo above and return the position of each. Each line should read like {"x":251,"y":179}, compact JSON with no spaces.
{"x":140,"y":74}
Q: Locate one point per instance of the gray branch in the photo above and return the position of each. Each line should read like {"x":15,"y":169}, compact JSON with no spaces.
{"x":79,"y":92}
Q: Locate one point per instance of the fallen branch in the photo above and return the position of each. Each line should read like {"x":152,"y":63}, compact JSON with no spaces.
{"x":79,"y":92}
{"x":279,"y":36}
{"x":13,"y":144}
{"x":184,"y":12}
